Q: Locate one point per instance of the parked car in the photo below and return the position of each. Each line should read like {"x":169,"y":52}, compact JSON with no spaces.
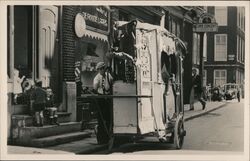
{"x":217,"y":94}
{"x":230,"y":90}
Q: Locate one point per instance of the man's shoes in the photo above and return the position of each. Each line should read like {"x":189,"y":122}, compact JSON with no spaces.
{"x":203,"y":106}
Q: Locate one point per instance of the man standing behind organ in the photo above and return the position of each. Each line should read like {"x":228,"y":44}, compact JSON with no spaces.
{"x":102,"y":85}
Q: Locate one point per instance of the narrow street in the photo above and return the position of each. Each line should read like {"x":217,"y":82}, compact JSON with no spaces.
{"x":219,"y":130}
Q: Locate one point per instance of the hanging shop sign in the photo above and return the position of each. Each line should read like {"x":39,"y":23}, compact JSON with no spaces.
{"x":97,"y":18}
{"x":206,"y":23}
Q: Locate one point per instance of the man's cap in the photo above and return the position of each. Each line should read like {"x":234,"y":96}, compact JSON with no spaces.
{"x":100,"y":65}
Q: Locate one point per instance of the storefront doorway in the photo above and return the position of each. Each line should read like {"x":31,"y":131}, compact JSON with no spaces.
{"x":48,"y":55}
{"x":36,"y":47}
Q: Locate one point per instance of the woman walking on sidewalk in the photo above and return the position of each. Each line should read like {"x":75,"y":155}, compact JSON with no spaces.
{"x":196,"y":92}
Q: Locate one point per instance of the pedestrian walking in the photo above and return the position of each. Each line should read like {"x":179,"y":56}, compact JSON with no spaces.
{"x":196,"y":89}
{"x":238,"y":95}
{"x":103,"y":86}
{"x":38,"y":100}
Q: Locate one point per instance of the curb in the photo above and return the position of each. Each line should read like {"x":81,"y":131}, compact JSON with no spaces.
{"x":203,"y":113}
{"x":93,"y":149}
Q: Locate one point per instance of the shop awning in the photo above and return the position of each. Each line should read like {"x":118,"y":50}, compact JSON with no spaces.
{"x":95,"y":35}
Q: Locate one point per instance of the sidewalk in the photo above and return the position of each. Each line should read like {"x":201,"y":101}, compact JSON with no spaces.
{"x":89,"y":145}
{"x":197,"y":112}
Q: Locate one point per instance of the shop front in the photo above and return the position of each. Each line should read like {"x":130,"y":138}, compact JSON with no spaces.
{"x":88,"y":46}
{"x":33,"y":53}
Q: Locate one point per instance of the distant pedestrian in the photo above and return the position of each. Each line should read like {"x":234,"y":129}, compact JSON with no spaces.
{"x":38,"y":100}
{"x":197,"y":89}
{"x":238,"y":95}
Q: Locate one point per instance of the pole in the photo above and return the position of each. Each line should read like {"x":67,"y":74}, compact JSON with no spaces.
{"x":201,"y":57}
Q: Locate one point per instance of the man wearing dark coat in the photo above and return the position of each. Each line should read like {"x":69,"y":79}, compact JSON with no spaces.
{"x":196,"y":85}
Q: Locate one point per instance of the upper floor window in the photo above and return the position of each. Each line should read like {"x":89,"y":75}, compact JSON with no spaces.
{"x":221,"y":15}
{"x":241,"y":18}
{"x":220,"y":46}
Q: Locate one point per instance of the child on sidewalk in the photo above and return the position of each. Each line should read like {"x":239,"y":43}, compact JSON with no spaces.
{"x":50,"y":108}
{"x":38,"y":99}
{"x":17,"y":85}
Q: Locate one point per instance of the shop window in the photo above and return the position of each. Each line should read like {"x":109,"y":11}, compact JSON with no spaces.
{"x":220,"y":77}
{"x":220,"y":47}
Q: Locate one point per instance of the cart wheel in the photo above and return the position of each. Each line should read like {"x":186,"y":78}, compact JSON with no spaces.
{"x":179,"y":132}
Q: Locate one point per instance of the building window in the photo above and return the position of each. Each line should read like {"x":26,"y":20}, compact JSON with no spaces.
{"x":220,"y":47}
{"x":241,"y":18}
{"x":220,"y":77}
{"x":221,"y":15}
{"x":238,"y":16}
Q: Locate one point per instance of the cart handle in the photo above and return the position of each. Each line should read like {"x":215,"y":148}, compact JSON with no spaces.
{"x":115,"y":96}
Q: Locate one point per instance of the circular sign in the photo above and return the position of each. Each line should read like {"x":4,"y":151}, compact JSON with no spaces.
{"x":80,"y":25}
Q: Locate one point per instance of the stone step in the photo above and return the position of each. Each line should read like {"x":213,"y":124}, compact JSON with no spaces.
{"x":21,"y":120}
{"x":27,"y":120}
{"x":59,"y":139}
{"x":24,"y":135}
{"x":21,"y":109}
{"x":63,"y":117}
